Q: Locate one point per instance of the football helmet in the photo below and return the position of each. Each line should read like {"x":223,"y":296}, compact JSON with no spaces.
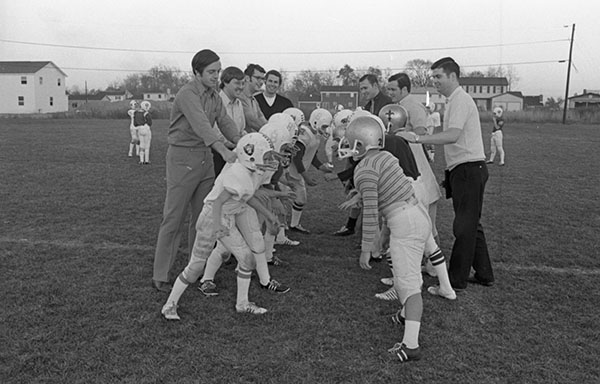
{"x":394,"y":117}
{"x":287,"y":121}
{"x":296,"y":114}
{"x":145,"y":105}
{"x":498,"y":112}
{"x":359,"y":112}
{"x":320,"y":119}
{"x":282,"y":142}
{"x":255,"y":151}
{"x":133,"y":104}
{"x":362,"y":134}
{"x":342,"y":118}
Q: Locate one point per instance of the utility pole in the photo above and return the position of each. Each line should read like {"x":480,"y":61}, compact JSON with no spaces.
{"x":564,"y":120}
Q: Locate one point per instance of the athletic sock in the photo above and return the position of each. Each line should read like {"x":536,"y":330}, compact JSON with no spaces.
{"x":243,"y":285}
{"x":262,"y":269}
{"x":296,"y":214}
{"x":439,"y":265}
{"x":269,"y":241}
{"x":411,"y":333}
{"x":178,"y":288}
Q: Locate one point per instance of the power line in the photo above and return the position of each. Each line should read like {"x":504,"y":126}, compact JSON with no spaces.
{"x":287,"y":52}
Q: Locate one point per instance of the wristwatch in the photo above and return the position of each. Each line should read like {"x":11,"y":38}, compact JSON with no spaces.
{"x":416,"y":138}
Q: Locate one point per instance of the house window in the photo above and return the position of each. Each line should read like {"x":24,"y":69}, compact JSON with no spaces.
{"x":160,"y":96}
{"x":148,"y":97}
{"x":41,"y":80}
{"x":488,"y":89}
{"x":74,"y":105}
{"x":494,"y":89}
{"x":23,"y":79}
{"x":21,"y":100}
{"x":51,"y":101}
{"x":480,"y":89}
{"x":58,"y":82}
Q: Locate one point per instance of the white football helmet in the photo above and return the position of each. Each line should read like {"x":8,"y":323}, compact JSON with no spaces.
{"x":133,"y":104}
{"x":359,"y":112}
{"x":342,"y":118}
{"x":296,"y":114}
{"x":362,"y":134}
{"x":394,"y":117}
{"x":255,"y":152}
{"x":320,"y":119}
{"x":498,"y":112}
{"x":283,"y":144}
{"x":287,"y":121}
{"x":145,"y":105}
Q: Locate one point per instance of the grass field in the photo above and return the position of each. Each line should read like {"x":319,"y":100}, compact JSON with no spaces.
{"x":78,"y":225}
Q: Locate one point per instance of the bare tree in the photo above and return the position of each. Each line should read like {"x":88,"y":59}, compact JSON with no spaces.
{"x":509,"y":72}
{"x":419,"y":71}
{"x":348,"y":76}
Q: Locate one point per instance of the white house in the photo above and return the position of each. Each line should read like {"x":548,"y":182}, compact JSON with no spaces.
{"x":157,"y":96}
{"x":508,"y":101}
{"x":32,"y":87}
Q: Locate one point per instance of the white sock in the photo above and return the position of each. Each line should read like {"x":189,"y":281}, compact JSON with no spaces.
{"x":411,"y":333}
{"x":137,"y":149}
{"x":147,"y":154}
{"x":281,"y":234}
{"x":269,"y":241}
{"x":178,"y":288}
{"x":262,"y":269}
{"x":130,"y":149}
{"x":442,"y":275}
{"x":213,"y":264}
{"x":296,"y":214}
{"x":243,"y":285}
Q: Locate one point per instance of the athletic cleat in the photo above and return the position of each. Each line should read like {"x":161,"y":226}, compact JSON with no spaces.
{"x":250,"y":308}
{"x":388,"y":295}
{"x":404,"y":354}
{"x":388,"y":281}
{"x":436,"y":291}
{"x":277,"y":262}
{"x":299,"y":228}
{"x":377,"y":259}
{"x":344,"y":231}
{"x":286,"y":241}
{"x":208,"y":288}
{"x":397,"y":318}
{"x":169,"y":311}
{"x":276,"y":286}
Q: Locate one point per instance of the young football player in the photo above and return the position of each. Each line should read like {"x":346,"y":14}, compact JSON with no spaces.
{"x":142,"y":120}
{"x":386,"y":191}
{"x":306,"y":155}
{"x":135,"y":139}
{"x":497,"y":136}
{"x":229,"y":209}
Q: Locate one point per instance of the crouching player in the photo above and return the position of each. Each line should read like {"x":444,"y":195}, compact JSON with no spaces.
{"x":143,"y":121}
{"x":386,"y":191}
{"x":226,"y":214}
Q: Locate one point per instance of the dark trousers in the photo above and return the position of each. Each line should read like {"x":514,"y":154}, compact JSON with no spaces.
{"x":467,"y":182}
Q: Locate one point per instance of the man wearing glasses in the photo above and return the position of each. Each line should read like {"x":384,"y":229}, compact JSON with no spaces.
{"x":255,"y":78}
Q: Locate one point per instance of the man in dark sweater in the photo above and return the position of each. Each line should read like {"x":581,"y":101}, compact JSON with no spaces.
{"x":269,"y":101}
{"x":369,"y":90}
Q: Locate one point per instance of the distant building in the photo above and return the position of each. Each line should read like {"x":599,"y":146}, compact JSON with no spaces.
{"x":309,"y":102}
{"x":334,"y":95}
{"x":589,"y":98}
{"x":530,"y":102}
{"x":482,"y":89}
{"x":32,"y":87}
{"x":508,"y":101}
{"x":77,"y":101}
{"x":158,"y":96}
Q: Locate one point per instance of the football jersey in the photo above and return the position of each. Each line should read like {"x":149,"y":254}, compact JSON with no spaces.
{"x":239,"y":181}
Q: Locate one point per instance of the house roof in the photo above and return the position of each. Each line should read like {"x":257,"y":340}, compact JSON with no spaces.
{"x":483,"y":81}
{"x":513,"y":93}
{"x":339,"y":88}
{"x":25,"y":66}
{"x":586,"y":96}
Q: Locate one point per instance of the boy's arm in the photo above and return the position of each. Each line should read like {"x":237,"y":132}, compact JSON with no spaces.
{"x":261,"y":209}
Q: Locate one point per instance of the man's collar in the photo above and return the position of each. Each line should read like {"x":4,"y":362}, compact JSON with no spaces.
{"x":454,"y":92}
{"x":201,"y":87}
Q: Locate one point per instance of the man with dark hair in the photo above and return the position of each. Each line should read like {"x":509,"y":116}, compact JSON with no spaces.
{"x":466,"y":176}
{"x":270,"y":101}
{"x":232,"y":86}
{"x":255,"y":77}
{"x":369,"y":91}
{"x":189,"y":165}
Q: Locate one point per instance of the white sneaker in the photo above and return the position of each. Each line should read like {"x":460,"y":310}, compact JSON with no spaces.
{"x":436,"y":291}
{"x":388,"y":295}
{"x":169,"y":311}
{"x":250,"y":308}
{"x":286,"y":241}
{"x":388,"y":281}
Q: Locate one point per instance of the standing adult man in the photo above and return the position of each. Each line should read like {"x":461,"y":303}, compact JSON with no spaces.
{"x":232,"y":86}
{"x":466,"y":176}
{"x":255,"y":78}
{"x":189,"y":164}
{"x":270,"y":101}
{"x":369,"y":90}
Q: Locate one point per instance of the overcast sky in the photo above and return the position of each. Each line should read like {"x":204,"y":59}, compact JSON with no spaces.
{"x":532,"y":36}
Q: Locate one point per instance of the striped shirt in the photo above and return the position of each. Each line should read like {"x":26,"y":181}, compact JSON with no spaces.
{"x":381,"y":183}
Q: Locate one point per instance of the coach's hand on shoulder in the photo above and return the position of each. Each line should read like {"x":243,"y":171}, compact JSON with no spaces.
{"x":364,"y":260}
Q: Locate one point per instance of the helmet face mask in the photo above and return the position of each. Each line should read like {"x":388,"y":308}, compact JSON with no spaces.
{"x":320,"y":120}
{"x":283,"y":142}
{"x":255,"y":152}
{"x":145,"y":105}
{"x":498,"y":112}
{"x":133,"y":104}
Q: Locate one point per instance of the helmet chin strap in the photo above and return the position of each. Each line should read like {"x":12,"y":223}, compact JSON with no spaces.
{"x":344,"y":153}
